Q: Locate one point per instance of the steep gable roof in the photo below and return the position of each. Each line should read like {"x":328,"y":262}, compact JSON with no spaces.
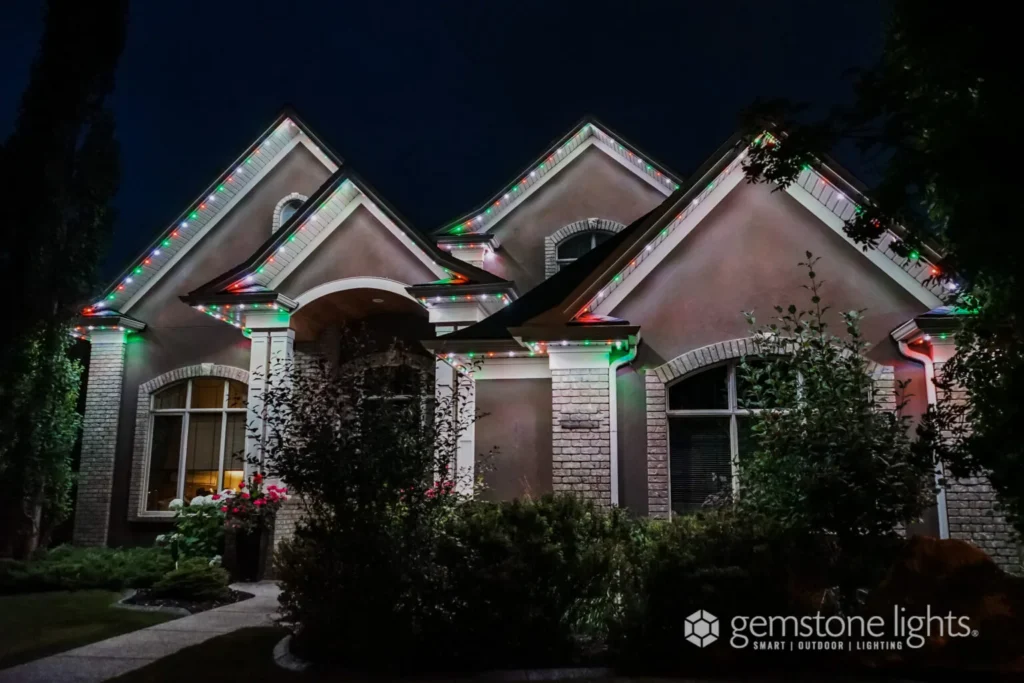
{"x":587,"y":133}
{"x":597,"y":282}
{"x":202,"y":215}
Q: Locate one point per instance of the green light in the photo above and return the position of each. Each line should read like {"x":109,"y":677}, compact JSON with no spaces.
{"x":664,"y":232}
{"x":110,"y":297}
{"x":220,"y":188}
{"x":943,"y":335}
{"x":453,"y":298}
{"x":260,"y":269}
{"x":677,"y":187}
{"x":914,"y":255}
{"x":617,"y":278}
{"x":488,"y":210}
{"x":167,"y":243}
{"x":586,"y":342}
{"x":457,"y":229}
{"x":292,"y":238}
{"x":515,"y":188}
{"x":138,"y":270}
{"x":649,"y":167}
{"x":470,"y":354}
{"x":194,"y":215}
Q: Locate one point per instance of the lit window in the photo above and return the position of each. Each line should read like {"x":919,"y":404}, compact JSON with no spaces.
{"x":709,"y":432}
{"x":197,"y":440}
{"x":578,"y":245}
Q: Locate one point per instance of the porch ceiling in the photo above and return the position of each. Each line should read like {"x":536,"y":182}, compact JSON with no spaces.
{"x":350,"y":306}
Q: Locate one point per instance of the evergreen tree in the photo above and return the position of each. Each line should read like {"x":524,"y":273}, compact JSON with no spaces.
{"x":58,"y":175}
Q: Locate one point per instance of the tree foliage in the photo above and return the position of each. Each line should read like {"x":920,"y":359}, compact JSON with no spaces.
{"x":58,"y":173}
{"x":938,"y":114}
{"x":833,"y":451}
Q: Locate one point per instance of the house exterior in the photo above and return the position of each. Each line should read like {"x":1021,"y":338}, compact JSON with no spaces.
{"x":594,"y":302}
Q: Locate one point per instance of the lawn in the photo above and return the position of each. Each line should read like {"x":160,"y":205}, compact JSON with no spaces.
{"x":34,"y":625}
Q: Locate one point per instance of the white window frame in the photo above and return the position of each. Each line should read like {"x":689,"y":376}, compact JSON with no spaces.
{"x":224,"y":411}
{"x":562,"y":262}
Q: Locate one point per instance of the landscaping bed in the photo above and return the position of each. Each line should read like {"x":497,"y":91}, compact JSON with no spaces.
{"x":145,"y":598}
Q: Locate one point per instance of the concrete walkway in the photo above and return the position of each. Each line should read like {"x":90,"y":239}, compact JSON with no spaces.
{"x":120,"y":654}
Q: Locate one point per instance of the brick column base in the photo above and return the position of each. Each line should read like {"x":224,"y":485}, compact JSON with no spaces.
{"x":581,"y":437}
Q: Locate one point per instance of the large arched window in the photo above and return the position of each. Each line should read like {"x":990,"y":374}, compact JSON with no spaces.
{"x":578,"y":245}
{"x":196,"y":440}
{"x":289,"y":209}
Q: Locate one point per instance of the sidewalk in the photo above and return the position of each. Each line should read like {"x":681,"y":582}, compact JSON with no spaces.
{"x":120,"y":654}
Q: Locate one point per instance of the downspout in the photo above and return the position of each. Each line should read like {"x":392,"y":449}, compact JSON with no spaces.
{"x":929,"y":380}
{"x":613,"y":417}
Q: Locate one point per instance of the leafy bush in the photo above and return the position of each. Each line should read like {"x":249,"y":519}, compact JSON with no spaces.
{"x":195,"y":579}
{"x":68,"y":568}
{"x":198,"y":529}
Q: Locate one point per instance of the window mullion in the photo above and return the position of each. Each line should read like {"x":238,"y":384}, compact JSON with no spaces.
{"x":184,"y":444}
{"x":223,"y":438}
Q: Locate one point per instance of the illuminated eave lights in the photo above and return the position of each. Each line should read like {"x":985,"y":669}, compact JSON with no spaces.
{"x":512,"y":194}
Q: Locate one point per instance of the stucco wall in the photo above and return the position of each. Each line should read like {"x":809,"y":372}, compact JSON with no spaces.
{"x":744,"y":257}
{"x":519,"y":423}
{"x":360,"y":246}
{"x":176,"y":335}
{"x":594,"y":186}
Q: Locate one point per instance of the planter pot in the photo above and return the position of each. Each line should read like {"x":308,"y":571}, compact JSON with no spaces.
{"x":250,"y":554}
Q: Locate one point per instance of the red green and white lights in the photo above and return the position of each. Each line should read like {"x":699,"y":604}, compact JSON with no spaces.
{"x":491,"y":212}
{"x":199,"y":216}
{"x":463,"y":360}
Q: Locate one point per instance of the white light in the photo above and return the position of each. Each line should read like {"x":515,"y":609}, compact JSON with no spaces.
{"x":506,"y":195}
{"x":533,"y":174}
{"x":841,"y":197}
{"x":248,"y":278}
{"x":510,"y":353}
{"x":184,"y":224}
{"x":951,"y":286}
{"x":239,"y":169}
{"x":156,"y":252}
{"x":927,"y":337}
{"x":611,"y":142}
{"x":565,"y":343}
{"x":483,"y":296}
{"x":695,"y":202}
{"x":648,"y":248}
{"x":600,"y":295}
{"x":128,"y":280}
{"x":479,"y":218}
{"x":281,"y":250}
{"x":211,"y":197}
{"x":91,"y":327}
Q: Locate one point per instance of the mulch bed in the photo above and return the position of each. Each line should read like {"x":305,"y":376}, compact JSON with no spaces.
{"x":142,"y":598}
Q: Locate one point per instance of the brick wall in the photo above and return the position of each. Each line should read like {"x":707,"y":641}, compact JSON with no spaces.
{"x":658,"y":503}
{"x":973,"y":515}
{"x":580,"y":439}
{"x":99,"y":439}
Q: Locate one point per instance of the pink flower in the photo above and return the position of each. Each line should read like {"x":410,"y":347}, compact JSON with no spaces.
{"x":234,"y":509}
{"x":245,"y":495}
{"x":224,"y":508}
{"x":215,"y":497}
{"x":258,"y":502}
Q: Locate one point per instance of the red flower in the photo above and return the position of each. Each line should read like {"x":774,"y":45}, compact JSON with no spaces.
{"x":224,"y":508}
{"x":245,"y":495}
{"x":258,"y":502}
{"x":215,"y":496}
{"x":234,"y":509}
{"x":242,"y":485}
{"x":258,"y":478}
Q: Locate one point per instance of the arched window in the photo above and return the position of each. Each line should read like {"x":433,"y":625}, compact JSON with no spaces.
{"x":289,"y":209}
{"x":576,"y":246}
{"x":196,"y":440}
{"x":709,"y":432}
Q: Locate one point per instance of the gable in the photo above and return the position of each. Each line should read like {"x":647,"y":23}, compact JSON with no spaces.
{"x":592,"y":186}
{"x":360,"y":246}
{"x":240,"y":230}
{"x":743,"y":256}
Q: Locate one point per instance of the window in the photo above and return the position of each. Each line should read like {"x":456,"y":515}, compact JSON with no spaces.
{"x":578,"y":245}
{"x":288,"y":210}
{"x":709,"y":432}
{"x":197,"y":440}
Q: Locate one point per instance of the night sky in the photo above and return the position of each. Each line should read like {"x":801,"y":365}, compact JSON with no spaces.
{"x":440,"y":103}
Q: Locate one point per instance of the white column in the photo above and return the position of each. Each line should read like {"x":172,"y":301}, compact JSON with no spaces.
{"x":99,"y":437}
{"x":259,"y":365}
{"x":465,"y":454}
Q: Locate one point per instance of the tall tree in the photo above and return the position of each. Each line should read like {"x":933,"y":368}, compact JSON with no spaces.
{"x":58,"y":175}
{"x":938,"y":113}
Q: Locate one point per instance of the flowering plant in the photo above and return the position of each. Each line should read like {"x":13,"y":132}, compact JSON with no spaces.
{"x":198,"y":529}
{"x":252,"y":505}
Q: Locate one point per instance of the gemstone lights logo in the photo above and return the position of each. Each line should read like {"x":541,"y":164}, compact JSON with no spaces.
{"x":701,"y":628}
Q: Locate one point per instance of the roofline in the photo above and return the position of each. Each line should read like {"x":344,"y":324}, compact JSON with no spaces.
{"x":549,"y":150}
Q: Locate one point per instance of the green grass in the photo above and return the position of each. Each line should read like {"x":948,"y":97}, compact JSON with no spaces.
{"x":35,"y":625}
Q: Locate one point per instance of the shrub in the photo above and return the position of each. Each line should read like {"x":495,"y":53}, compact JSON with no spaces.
{"x":530,"y":583}
{"x":68,"y":568}
{"x":198,"y":529}
{"x":196,"y":579}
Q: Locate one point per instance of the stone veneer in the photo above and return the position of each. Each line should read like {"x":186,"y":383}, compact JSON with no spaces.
{"x":581,"y":437}
{"x":99,"y":438}
{"x":659,"y":503}
{"x":972,"y":511}
{"x":141,"y":443}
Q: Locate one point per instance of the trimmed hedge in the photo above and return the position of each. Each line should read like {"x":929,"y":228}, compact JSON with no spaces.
{"x":69,"y":568}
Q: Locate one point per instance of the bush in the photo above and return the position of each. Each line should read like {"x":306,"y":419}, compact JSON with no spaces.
{"x":196,"y":579}
{"x":198,"y":529}
{"x":68,"y":568}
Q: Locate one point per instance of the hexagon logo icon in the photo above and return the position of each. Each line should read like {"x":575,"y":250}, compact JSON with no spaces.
{"x":701,"y":628}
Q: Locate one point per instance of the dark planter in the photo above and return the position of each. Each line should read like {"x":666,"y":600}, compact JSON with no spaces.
{"x":250,"y":554}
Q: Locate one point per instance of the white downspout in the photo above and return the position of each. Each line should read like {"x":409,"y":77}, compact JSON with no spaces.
{"x":613,"y":417}
{"x":929,"y":380}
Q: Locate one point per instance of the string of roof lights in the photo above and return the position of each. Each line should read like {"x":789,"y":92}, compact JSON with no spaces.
{"x":490,"y":213}
{"x":819,"y":187}
{"x":199,"y":215}
{"x":460,"y":361}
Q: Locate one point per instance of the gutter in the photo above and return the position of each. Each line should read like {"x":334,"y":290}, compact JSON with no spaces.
{"x":929,"y":380}
{"x":613,"y":417}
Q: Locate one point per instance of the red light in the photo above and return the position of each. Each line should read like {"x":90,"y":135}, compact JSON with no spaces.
{"x":146,"y":262}
{"x":202,"y":206}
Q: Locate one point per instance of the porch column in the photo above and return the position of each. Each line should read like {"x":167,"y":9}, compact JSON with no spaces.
{"x":581,"y":415}
{"x":99,"y":437}
{"x":271,"y":351}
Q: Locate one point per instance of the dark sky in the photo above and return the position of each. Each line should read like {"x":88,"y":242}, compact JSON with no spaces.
{"x":439,"y":103}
